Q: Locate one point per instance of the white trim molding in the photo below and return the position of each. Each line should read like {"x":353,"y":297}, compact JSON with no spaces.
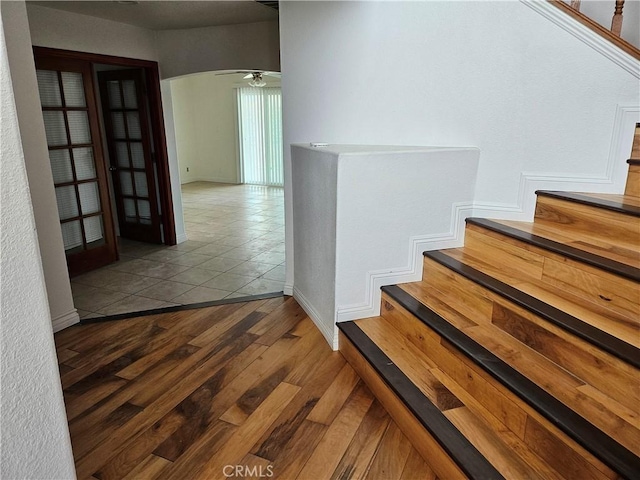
{"x":64,"y":321}
{"x":330,"y":335}
{"x":585,"y":35}
{"x":612,"y":180}
{"x":181,"y":238}
{"x":412,"y":272}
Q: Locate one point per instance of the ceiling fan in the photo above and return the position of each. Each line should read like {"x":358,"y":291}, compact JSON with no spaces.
{"x":255,"y":77}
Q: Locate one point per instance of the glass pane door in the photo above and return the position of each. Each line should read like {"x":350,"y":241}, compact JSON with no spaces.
{"x":69,"y":113}
{"x":130,"y":149}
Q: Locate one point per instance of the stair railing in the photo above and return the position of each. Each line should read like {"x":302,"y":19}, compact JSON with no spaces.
{"x":572,"y":8}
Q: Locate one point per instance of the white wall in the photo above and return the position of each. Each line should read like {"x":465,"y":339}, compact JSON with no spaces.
{"x":72,"y":31}
{"x":315,"y":189}
{"x":172,"y":155}
{"x":63,"y":312}
{"x":252,"y":46}
{"x":362,"y":216}
{"x":35,"y":438}
{"x":496,"y":75}
{"x":205,"y":116}
{"x":205,"y":120}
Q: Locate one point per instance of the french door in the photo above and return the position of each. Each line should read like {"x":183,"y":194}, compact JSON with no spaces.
{"x":126,"y":120}
{"x":71,"y":124}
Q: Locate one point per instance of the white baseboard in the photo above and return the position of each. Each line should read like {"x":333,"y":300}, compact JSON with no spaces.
{"x":181,"y":237}
{"x":287,"y":289}
{"x":330,"y":333}
{"x":612,"y":180}
{"x":412,"y":272}
{"x":63,"y":321}
{"x":233,"y":181}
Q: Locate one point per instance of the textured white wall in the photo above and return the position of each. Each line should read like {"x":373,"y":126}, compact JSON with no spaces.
{"x":34,"y":144}
{"x":494,"y":75}
{"x":315,"y":190}
{"x":206,"y":126}
{"x":252,"y":46}
{"x":35,"y":438}
{"x":361,"y":217}
{"x":391,"y":207}
{"x":72,"y":31}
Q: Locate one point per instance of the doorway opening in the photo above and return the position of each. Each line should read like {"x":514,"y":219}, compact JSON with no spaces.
{"x":235,"y":245}
{"x":88,"y":179}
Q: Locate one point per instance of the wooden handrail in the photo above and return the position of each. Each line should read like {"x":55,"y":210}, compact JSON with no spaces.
{"x":599,"y":29}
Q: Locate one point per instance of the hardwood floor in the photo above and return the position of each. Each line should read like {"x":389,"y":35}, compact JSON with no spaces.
{"x":246,"y":390}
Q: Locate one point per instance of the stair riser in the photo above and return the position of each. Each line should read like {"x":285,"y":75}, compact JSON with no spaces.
{"x":511,"y":261}
{"x":426,"y":445}
{"x":635,"y":147}
{"x":596,"y":222}
{"x":594,"y":383}
{"x":633,"y":181}
{"x":500,"y":447}
{"x":550,"y":444}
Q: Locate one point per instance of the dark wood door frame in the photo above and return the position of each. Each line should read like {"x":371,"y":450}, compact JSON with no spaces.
{"x":88,"y":258}
{"x":152,"y":75}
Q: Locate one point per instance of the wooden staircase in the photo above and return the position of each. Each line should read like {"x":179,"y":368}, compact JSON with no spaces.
{"x":518,"y":355}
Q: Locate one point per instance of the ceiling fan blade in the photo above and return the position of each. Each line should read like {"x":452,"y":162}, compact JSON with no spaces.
{"x":247,"y":76}
{"x":232,"y":72}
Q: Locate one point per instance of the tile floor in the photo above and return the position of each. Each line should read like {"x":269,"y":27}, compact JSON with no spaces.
{"x":235,"y":248}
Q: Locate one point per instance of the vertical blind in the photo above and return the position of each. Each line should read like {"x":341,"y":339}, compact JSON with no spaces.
{"x":260,"y":130}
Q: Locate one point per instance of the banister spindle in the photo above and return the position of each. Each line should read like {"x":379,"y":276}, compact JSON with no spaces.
{"x":575,"y":4}
{"x":616,"y":22}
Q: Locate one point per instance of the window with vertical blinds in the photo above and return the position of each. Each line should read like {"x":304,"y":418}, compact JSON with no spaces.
{"x":260,"y":131}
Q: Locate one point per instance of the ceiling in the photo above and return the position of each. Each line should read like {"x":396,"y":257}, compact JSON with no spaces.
{"x":170,"y":15}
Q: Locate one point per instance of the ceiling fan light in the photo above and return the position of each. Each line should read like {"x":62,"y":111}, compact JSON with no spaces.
{"x":256,"y":80}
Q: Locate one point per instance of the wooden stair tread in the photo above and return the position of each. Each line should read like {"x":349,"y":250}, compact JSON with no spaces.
{"x":584,"y":433}
{"x":519,"y":263}
{"x":454,"y":443}
{"x":622,"y":324}
{"x":587,"y":243}
{"x":565,"y":382}
{"x":478,"y":425}
{"x":625,"y":204}
{"x":523,"y":231}
{"x":559,"y":311}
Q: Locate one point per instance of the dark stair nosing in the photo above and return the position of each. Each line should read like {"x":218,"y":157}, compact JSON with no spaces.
{"x":634,"y":161}
{"x":457,"y":446}
{"x":603,"y":447}
{"x":585,"y":199}
{"x":607,"y":342}
{"x":611,"y":266}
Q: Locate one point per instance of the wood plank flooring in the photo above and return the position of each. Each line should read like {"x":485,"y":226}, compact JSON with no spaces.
{"x":245,"y":390}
